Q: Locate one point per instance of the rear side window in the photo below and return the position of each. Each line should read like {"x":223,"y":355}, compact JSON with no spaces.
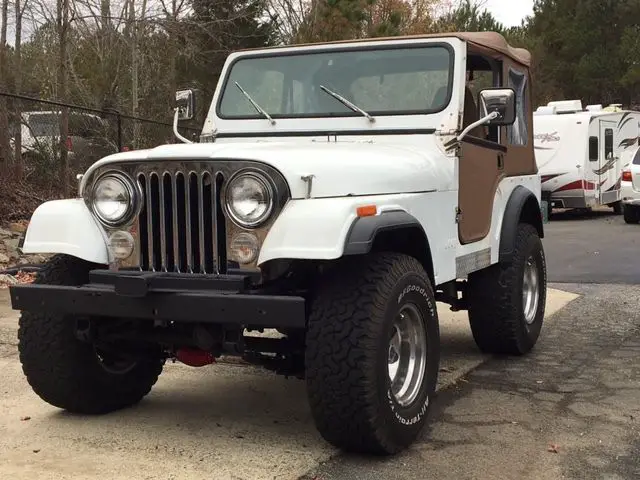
{"x":636,"y":158}
{"x":517,"y":133}
{"x":593,"y":148}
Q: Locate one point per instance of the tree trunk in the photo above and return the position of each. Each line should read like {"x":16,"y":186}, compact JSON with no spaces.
{"x":5,"y":154}
{"x":63,"y":25}
{"x":19,"y":166}
{"x":134,"y":69}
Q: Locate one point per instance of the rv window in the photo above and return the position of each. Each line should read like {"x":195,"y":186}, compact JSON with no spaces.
{"x":593,"y":149}
{"x":517,"y":133}
{"x":608,"y":143}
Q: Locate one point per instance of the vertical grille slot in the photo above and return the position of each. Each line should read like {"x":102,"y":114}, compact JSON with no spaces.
{"x":177,"y":224}
{"x":194,"y":222}
{"x":143,"y":232}
{"x":153,"y":220}
{"x":220,"y":235}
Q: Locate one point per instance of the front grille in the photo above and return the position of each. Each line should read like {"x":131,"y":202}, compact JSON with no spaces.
{"x":181,"y":225}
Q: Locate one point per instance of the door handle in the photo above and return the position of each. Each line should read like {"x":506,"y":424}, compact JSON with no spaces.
{"x":500,"y":161}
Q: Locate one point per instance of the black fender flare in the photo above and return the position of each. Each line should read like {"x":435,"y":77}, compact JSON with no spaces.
{"x":363,"y":231}
{"x":521,"y":206}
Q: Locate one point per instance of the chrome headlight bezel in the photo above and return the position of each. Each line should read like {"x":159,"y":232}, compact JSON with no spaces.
{"x":134,"y":194}
{"x":269,"y":189}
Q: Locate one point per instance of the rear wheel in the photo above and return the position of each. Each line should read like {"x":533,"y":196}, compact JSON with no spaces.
{"x":617,"y":207}
{"x":372,"y":353}
{"x":631,"y":214}
{"x":75,"y":375}
{"x":507,"y":301}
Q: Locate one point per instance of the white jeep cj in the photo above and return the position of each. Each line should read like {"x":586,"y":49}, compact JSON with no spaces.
{"x":337,"y":192}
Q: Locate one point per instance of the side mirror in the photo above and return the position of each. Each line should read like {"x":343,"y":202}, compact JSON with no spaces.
{"x":186,"y":104}
{"x":500,"y":100}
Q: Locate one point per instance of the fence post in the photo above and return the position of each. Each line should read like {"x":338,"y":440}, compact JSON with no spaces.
{"x":119,"y":117}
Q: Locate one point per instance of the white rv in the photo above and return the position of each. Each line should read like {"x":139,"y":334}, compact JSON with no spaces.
{"x":579,"y":152}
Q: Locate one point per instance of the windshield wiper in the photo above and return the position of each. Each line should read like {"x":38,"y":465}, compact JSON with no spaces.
{"x":255,"y":105}
{"x":347,"y":103}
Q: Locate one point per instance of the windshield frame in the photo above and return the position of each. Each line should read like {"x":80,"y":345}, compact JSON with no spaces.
{"x":354,"y":49}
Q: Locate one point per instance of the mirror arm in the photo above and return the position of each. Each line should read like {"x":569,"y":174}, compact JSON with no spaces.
{"x":482,"y":121}
{"x":175,"y":127}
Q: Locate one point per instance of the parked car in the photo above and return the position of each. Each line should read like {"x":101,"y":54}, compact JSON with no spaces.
{"x":338,"y":192}
{"x":87,"y":137}
{"x":631,"y":188}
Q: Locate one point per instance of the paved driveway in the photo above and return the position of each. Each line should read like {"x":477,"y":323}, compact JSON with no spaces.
{"x":592,"y":248}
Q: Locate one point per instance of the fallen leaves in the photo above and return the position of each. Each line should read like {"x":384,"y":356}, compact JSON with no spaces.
{"x":25,"y":277}
{"x":20,"y":277}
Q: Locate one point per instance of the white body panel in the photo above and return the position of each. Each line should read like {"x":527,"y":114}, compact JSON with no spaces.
{"x":66,"y":226}
{"x":569,"y":177}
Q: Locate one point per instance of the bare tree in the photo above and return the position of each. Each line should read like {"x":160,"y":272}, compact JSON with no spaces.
{"x":5,"y":154}
{"x":62,"y":22}
{"x":19,"y":15}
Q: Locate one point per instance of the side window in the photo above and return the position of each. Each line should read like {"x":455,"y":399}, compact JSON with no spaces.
{"x":593,"y":149}
{"x":608,"y":143}
{"x":517,"y":133}
{"x":636,"y":158}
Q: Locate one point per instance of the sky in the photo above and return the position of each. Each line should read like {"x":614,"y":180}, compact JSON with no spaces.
{"x":509,"y":12}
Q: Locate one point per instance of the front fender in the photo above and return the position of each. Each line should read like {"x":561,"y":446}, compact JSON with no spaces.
{"x":66,"y":226}
{"x":311,"y":229}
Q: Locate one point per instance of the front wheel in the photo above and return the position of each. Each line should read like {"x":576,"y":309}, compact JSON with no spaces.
{"x":76,"y":375}
{"x":631,"y":214}
{"x":507,"y":301}
{"x":372,"y":353}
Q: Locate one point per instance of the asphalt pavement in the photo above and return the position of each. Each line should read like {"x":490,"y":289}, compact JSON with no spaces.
{"x":595,"y":247}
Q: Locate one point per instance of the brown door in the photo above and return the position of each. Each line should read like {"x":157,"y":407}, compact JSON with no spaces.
{"x":481,"y":168}
{"x":484,"y":163}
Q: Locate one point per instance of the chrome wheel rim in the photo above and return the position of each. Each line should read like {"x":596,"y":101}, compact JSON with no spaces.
{"x":407,"y":355}
{"x":530,"y":290}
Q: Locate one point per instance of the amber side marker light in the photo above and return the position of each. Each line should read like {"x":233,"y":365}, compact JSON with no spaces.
{"x":367,"y":211}
{"x":626,"y":175}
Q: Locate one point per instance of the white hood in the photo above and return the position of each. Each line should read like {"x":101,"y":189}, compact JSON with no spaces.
{"x":339,"y":168}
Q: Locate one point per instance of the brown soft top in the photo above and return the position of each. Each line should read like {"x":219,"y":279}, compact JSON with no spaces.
{"x":492,"y":40}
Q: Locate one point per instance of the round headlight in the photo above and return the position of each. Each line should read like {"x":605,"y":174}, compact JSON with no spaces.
{"x":249,"y":199}
{"x":112,"y":199}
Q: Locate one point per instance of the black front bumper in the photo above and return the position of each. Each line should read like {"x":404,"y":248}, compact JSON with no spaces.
{"x":219,"y":299}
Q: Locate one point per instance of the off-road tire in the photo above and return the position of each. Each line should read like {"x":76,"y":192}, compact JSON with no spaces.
{"x":64,"y":371}
{"x":617,"y":207}
{"x":347,"y":352}
{"x":631,"y":214}
{"x":494,"y":296}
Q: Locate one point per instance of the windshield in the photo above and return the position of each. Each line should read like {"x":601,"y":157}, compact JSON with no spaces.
{"x":407,"y":80}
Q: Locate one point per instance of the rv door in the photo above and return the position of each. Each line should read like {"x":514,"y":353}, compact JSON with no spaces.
{"x":609,"y":170}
